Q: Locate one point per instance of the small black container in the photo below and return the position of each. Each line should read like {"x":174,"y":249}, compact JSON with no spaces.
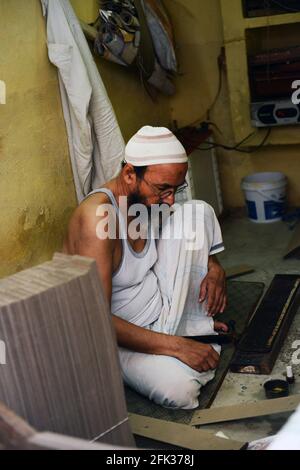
{"x":276,"y":388}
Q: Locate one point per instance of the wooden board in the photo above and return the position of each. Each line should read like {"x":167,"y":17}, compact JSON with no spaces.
{"x":16,"y":434}
{"x":62,"y":373}
{"x":245,"y":410}
{"x":240,"y":270}
{"x":13,"y":430}
{"x":180,"y":435}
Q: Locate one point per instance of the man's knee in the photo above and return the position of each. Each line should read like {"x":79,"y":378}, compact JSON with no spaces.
{"x":177,"y":394}
{"x":162,"y":379}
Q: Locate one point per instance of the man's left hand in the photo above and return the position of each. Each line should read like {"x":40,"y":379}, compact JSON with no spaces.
{"x":213,"y":288}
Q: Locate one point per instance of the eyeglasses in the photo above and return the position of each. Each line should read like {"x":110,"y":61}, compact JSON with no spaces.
{"x":167,"y":192}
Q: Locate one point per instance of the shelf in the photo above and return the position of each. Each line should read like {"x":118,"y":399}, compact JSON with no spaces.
{"x":235,"y":23}
{"x":235,"y":29}
{"x":274,"y":20}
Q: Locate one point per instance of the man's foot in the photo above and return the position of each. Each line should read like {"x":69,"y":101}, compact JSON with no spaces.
{"x":220,"y":327}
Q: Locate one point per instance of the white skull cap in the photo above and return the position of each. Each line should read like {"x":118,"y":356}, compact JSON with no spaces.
{"x":154,"y":146}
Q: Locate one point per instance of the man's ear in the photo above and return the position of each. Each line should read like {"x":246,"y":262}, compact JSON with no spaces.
{"x":129,"y":174}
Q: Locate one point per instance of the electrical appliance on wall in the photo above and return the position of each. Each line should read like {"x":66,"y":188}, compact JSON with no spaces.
{"x":272,"y":75}
{"x":275,"y":113}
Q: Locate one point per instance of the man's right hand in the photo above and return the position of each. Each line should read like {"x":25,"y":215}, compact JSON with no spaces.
{"x":198,"y":356}
{"x":201,"y":357}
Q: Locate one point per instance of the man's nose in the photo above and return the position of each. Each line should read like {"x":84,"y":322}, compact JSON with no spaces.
{"x":170,"y":200}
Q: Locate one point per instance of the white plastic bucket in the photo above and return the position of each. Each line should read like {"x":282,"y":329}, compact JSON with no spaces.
{"x":265,"y":195}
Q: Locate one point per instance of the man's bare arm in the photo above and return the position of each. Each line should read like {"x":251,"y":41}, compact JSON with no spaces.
{"x":201,"y":357}
{"x":213,"y":288}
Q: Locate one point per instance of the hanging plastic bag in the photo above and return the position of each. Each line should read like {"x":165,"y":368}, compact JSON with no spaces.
{"x":119,"y":31}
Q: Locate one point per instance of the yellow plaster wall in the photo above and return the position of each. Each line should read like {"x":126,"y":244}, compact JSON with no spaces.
{"x":87,"y":10}
{"x":199,"y":35}
{"x":198,"y":26}
{"x":132,"y":104}
{"x":36,"y":185}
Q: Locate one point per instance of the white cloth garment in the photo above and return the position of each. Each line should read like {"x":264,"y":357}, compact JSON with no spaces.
{"x":95,"y":141}
{"x":166,"y":380}
{"x":289,"y":436}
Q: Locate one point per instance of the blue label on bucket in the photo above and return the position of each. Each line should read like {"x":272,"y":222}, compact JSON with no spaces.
{"x":274,"y":210}
{"x":252,"y":212}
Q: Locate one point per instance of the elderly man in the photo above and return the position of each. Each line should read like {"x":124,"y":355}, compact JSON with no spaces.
{"x":160,"y":290}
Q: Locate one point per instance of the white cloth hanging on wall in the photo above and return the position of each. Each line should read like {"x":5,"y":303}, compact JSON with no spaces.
{"x":95,"y":140}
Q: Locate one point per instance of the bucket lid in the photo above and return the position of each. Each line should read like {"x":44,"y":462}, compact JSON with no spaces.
{"x":267,"y":177}
{"x":267,"y":180}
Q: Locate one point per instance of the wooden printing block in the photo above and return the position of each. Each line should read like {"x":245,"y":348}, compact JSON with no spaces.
{"x":260,"y":345}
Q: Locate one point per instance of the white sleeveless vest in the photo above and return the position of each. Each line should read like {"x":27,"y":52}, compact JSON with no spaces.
{"x":136,"y":296}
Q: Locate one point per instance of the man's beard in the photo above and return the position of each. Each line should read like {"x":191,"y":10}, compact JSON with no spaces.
{"x":137,"y":198}
{"x":157,"y":223}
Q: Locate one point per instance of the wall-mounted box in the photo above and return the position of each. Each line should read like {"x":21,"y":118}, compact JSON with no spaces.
{"x":239,"y":42}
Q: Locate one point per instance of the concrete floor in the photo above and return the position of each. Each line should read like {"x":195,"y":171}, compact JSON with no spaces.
{"x":261,"y":246}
